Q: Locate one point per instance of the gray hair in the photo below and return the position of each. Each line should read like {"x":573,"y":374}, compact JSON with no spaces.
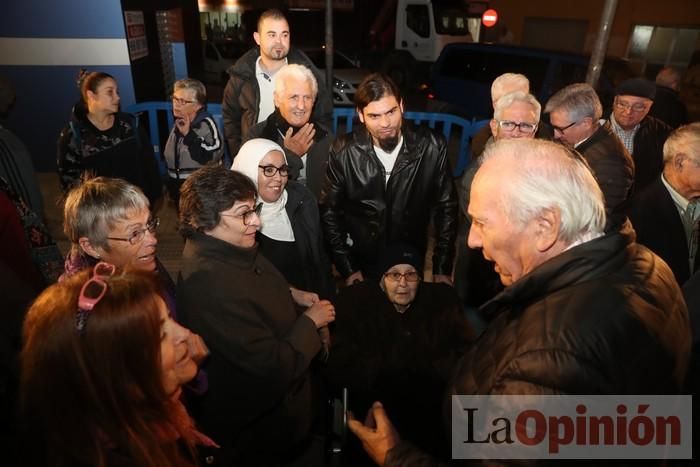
{"x":294,"y":71}
{"x":507,"y":83}
{"x":95,"y":206}
{"x":684,"y":140}
{"x":546,"y":175}
{"x":578,"y":100}
{"x":517,"y":96}
{"x":200,"y":92}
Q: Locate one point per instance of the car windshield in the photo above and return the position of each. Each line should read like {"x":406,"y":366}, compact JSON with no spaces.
{"x":318,"y":57}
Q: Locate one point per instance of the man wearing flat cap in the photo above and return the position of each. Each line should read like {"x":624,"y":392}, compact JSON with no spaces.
{"x":642,"y":134}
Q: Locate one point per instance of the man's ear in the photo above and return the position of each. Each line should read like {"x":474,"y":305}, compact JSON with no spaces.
{"x":401,"y":105}
{"x":359,"y":115}
{"x":494,"y":126}
{"x":274,"y":98}
{"x":89,"y":249}
{"x":678,"y":160}
{"x":547,"y":225}
{"x":256,"y":36}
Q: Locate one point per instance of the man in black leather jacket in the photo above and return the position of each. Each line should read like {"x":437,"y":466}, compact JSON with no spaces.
{"x":583,"y":312}
{"x":385,"y":182}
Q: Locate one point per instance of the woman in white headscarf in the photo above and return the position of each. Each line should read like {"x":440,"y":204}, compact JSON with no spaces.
{"x":290,"y":236}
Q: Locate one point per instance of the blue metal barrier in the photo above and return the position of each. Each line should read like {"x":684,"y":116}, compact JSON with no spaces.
{"x":344,"y":117}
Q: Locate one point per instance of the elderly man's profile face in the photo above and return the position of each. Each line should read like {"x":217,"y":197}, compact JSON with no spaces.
{"x":296,"y":101}
{"x":567,"y":130}
{"x":510,"y":246}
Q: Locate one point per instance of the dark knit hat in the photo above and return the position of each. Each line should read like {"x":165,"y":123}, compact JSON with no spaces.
{"x":400,"y":253}
{"x":639,"y":87}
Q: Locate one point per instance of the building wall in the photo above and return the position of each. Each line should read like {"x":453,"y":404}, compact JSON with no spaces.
{"x":629,"y":13}
{"x":43,"y":45}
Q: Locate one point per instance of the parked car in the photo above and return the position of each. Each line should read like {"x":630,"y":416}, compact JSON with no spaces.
{"x":462,"y":76}
{"x":219,"y":56}
{"x":347,"y":75}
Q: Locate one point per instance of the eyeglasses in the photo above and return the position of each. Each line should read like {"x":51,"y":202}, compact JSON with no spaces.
{"x":178,"y":101}
{"x":562,"y":129}
{"x":138,"y":234}
{"x":246,"y":216}
{"x":271,"y":170}
{"x":524,"y":127}
{"x":410,"y":276}
{"x":92,"y":292}
{"x":638,"y":107}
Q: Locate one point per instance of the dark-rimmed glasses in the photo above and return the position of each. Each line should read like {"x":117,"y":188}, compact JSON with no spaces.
{"x":271,"y":170}
{"x":562,"y":129}
{"x":524,"y":127}
{"x":179,"y":101}
{"x":138,"y":234}
{"x":410,"y":276}
{"x":92,"y":292}
{"x":246,"y":216}
{"x":624,"y":106}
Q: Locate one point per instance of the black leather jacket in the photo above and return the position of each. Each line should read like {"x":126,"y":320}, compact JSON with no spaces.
{"x":356,"y":202}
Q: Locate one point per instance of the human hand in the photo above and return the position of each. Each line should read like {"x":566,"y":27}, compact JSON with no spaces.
{"x":377,"y":435}
{"x":197,"y":348}
{"x":354,"y":277}
{"x":300,"y":142}
{"x":321,"y":313}
{"x":442,"y":278}
{"x":183,"y":123}
{"x":303,"y":298}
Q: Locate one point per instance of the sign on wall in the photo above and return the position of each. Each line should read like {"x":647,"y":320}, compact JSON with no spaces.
{"x":136,"y":34}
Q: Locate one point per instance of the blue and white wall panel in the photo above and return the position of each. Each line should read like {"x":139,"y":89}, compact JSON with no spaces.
{"x":43,"y":45}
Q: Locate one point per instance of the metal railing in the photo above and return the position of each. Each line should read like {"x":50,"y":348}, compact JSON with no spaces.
{"x":457,"y":131}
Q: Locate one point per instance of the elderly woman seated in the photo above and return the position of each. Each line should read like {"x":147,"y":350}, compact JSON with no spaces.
{"x":102,"y":366}
{"x":108,"y":219}
{"x":259,"y":406}
{"x":290,"y":233}
{"x":395,"y":341}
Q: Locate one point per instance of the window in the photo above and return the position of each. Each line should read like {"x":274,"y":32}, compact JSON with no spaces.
{"x":417,"y":19}
{"x":666,"y":46}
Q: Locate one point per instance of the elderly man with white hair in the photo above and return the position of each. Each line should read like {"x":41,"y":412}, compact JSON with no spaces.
{"x":583,"y":312}
{"x":306,"y":142}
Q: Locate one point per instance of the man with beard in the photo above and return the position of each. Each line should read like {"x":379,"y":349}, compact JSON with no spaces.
{"x":385,"y":182}
{"x":248,"y":95}
{"x":306,"y":142}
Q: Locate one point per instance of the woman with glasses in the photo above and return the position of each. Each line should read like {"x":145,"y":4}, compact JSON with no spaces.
{"x":100,"y":383}
{"x":103,"y":141}
{"x":290,"y":232}
{"x":108,"y":219}
{"x":194,"y":140}
{"x":259,"y":406}
{"x":395,"y":341}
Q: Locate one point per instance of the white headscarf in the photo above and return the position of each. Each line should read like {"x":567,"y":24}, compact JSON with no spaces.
{"x":274,"y":219}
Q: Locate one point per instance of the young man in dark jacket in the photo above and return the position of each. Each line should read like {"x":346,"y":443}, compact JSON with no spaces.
{"x":583,"y":312}
{"x":248,"y":94}
{"x":384,"y":184}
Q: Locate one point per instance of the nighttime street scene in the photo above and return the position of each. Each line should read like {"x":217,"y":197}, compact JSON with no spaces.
{"x":349,"y":233}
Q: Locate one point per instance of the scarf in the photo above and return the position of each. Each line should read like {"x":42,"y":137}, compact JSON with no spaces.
{"x":274,"y":218}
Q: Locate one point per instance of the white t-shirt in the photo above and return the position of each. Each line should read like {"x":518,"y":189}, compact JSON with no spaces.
{"x":266,"y":85}
{"x":388,"y":159}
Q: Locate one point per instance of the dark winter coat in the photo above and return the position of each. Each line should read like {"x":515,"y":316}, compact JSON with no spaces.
{"x":274,"y":129}
{"x":123,"y":151}
{"x":604,"y":317}
{"x":259,"y":401}
{"x":357,"y":202}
